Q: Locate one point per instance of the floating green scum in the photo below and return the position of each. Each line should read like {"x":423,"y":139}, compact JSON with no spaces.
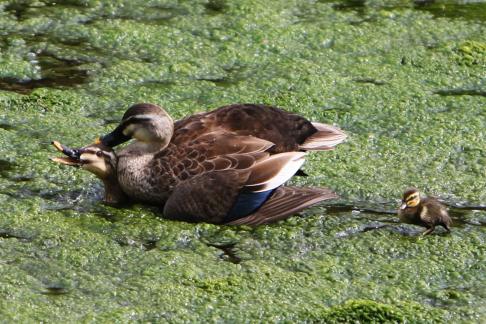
{"x":405,"y":81}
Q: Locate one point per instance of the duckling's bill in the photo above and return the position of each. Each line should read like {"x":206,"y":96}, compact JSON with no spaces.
{"x":72,"y":155}
{"x":67,"y":161}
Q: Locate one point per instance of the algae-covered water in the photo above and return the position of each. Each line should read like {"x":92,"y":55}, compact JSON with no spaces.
{"x":406,"y":80}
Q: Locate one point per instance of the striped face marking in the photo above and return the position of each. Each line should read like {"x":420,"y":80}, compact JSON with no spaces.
{"x":413,"y":199}
{"x":97,"y":161}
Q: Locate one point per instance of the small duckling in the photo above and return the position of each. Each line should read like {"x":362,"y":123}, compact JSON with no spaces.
{"x":427,"y":211}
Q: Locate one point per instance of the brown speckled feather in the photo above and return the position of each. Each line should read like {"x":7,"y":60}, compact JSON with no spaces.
{"x":278,"y":126}
{"x":208,"y":153}
{"x":285,"y":202}
{"x":206,"y":197}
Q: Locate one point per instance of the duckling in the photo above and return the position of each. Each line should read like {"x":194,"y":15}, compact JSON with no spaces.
{"x":223,"y":166}
{"x":427,"y":211}
{"x":99,"y":160}
{"x":216,"y":198}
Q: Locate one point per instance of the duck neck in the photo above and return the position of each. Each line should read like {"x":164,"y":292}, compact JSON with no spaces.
{"x":143,"y":148}
{"x":114,"y":195}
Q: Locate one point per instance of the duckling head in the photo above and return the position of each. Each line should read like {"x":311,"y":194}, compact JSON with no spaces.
{"x":99,"y":160}
{"x":411,"y":198}
{"x":95,"y":158}
{"x":147,"y":123}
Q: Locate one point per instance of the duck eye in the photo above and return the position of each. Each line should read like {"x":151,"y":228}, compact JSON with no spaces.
{"x":99,"y":153}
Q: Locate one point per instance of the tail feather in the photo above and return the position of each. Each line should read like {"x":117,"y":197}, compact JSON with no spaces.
{"x":285,"y":202}
{"x":326,"y":138}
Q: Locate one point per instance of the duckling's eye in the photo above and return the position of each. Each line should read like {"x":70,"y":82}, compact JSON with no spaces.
{"x":99,"y":153}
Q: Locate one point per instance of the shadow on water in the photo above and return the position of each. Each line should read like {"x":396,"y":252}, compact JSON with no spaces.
{"x":461,"y":92}
{"x":58,"y":73}
{"x":7,"y":234}
{"x":214,"y":7}
{"x":55,"y":290}
{"x":471,"y":10}
{"x":229,"y":253}
{"x":6,"y":126}
{"x":6,"y":167}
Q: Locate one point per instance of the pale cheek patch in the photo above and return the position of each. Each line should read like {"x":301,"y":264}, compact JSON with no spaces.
{"x":143,"y":134}
{"x":129,"y":130}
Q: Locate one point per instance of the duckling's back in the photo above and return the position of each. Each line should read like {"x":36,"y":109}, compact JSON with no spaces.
{"x":434,"y":213}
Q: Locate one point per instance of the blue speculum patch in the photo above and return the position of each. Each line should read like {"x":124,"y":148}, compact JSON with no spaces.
{"x":247,"y":203}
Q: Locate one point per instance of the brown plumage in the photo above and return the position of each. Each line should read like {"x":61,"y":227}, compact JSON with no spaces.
{"x":285,"y":202}
{"x":286,"y":130}
{"x":199,"y":167}
{"x":427,"y":212}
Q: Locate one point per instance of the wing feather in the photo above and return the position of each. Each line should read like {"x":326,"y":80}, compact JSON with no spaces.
{"x":285,"y":202}
{"x":274,"y":171}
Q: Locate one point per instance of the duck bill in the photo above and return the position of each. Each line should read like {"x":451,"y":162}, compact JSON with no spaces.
{"x":72,"y":155}
{"x":403,"y":206}
{"x":116,"y":137}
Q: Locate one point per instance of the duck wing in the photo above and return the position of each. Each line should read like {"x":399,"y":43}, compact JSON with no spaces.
{"x":211,"y":181}
{"x":206,"y":197}
{"x":210,"y":171}
{"x":285,"y":202}
{"x":288,"y":131}
{"x":215,"y":151}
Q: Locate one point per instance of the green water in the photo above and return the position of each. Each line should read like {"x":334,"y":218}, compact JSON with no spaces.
{"x":406,"y":80}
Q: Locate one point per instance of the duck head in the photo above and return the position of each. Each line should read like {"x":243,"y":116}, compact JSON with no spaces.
{"x":97,"y":159}
{"x":411,"y":198}
{"x":147,"y":123}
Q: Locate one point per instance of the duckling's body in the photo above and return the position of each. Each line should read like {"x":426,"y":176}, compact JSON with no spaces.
{"x":427,"y":212}
{"x":222,"y":166}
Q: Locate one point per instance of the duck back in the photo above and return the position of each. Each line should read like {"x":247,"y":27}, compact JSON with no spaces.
{"x":273,"y":124}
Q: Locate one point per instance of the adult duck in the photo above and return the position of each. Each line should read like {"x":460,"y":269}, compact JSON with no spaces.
{"x":224,"y":166}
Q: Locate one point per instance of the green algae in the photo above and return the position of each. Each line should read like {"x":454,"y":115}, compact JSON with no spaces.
{"x":472,"y":52}
{"x":383,"y":72}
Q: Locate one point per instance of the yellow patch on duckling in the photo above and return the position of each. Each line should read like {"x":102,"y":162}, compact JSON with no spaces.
{"x":413,"y":200}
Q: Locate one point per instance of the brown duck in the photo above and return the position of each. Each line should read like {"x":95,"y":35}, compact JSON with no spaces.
{"x":423,"y":211}
{"x":226,"y":166}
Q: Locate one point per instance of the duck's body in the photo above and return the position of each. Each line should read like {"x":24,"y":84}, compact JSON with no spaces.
{"x":427,"y":212}
{"x":210,"y":141}
{"x":223,"y":166}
